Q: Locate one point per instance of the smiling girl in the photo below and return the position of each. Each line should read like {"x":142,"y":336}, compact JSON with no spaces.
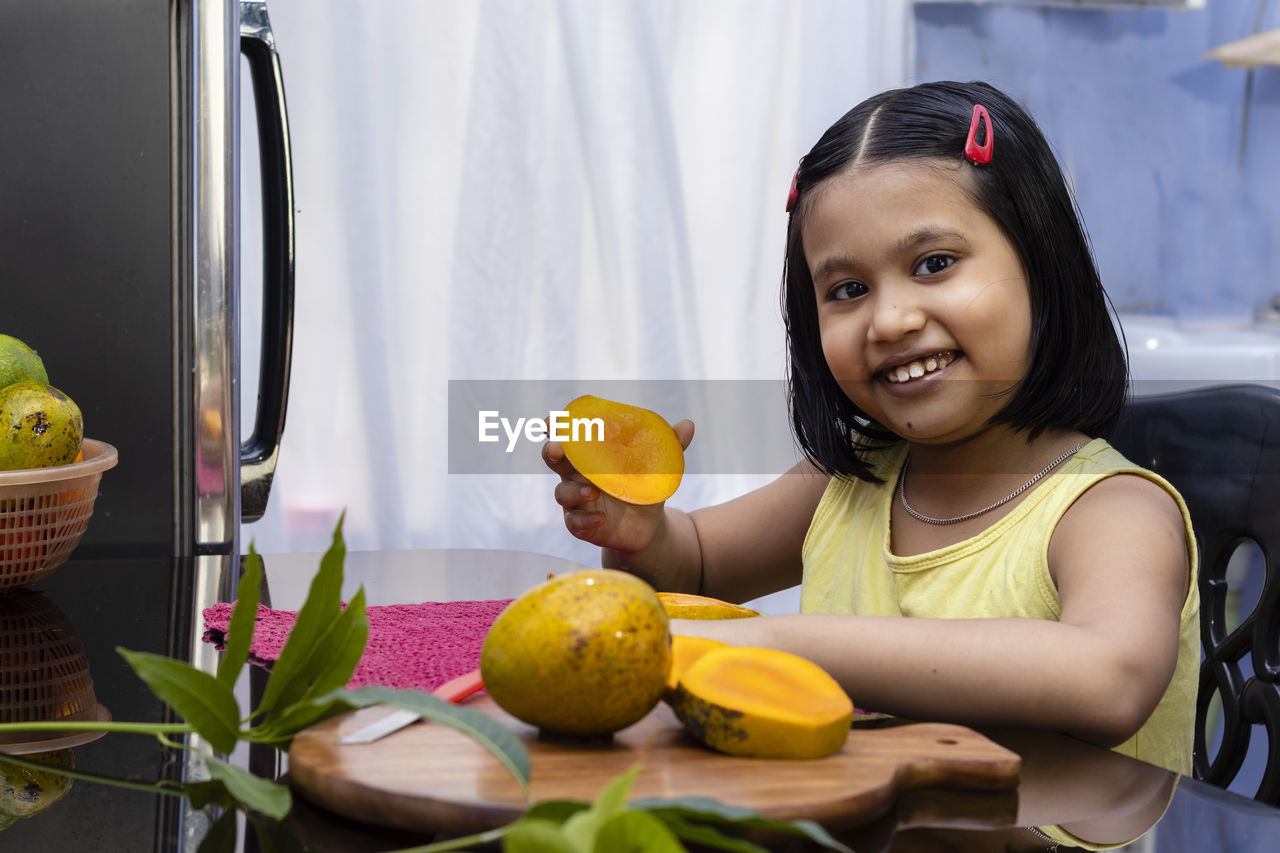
{"x":970,"y":547}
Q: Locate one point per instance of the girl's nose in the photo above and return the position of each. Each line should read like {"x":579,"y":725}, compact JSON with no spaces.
{"x":894,"y":316}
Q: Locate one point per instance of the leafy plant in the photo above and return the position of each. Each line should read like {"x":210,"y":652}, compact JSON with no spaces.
{"x":612,"y":824}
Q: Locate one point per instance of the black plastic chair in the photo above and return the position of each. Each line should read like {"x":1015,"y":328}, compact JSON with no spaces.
{"x":1220,"y":447}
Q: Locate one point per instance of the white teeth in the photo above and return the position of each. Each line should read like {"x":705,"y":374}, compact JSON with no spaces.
{"x":919,"y":367}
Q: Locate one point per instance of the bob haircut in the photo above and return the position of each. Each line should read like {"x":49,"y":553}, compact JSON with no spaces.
{"x":1076,"y":377}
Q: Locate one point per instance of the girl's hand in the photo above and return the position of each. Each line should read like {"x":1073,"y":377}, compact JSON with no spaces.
{"x":593,"y":516}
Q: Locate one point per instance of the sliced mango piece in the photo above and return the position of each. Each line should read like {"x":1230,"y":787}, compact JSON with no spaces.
{"x":635,"y":458}
{"x":762,"y":703}
{"x":684,"y":651}
{"x":683,"y":605}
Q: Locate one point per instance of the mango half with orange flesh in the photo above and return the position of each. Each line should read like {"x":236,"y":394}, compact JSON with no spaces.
{"x":683,"y":605}
{"x":762,"y":703}
{"x":684,"y":651}
{"x":635,"y":458}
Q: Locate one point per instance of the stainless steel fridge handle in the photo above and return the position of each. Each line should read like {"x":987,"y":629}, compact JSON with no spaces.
{"x":258,"y":453}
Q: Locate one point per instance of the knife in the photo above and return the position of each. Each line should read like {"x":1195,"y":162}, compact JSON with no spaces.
{"x":455,"y":690}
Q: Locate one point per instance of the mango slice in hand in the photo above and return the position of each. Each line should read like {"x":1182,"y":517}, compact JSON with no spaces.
{"x":638,"y":459}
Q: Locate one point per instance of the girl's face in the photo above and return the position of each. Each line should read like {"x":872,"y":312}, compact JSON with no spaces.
{"x":922,"y":302}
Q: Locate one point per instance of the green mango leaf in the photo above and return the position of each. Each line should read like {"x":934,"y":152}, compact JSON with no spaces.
{"x":636,"y":831}
{"x":274,"y":837}
{"x":583,"y":827}
{"x":203,"y":701}
{"x":335,"y":656}
{"x":287,"y":722}
{"x":538,"y":836}
{"x":331,"y":661}
{"x":338,"y":649}
{"x":707,"y":810}
{"x":253,"y":792}
{"x":297,"y":663}
{"x":243,"y":618}
{"x":485,"y":730}
{"x":221,"y":837}
{"x":557,"y":811}
{"x":707,"y":836}
{"x":207,"y":793}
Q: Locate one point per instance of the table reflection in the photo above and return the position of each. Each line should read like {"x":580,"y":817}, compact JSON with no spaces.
{"x":44,"y":676}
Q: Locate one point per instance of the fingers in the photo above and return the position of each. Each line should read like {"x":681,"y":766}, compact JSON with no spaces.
{"x":684,"y":432}
{"x":553,"y":456}
{"x":583,"y":524}
{"x":575,"y":492}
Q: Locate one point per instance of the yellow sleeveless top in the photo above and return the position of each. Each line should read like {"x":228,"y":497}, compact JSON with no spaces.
{"x":1001,"y":572}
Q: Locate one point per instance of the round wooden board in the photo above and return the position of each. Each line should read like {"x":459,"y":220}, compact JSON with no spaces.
{"x":432,"y":778}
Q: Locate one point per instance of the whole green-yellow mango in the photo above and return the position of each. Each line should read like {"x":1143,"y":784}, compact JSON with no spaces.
{"x":39,"y":426}
{"x":582,"y":655}
{"x":19,"y":363}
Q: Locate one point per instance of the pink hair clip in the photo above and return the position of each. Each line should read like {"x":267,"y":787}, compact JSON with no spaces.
{"x":979,"y":154}
{"x":794,"y":194}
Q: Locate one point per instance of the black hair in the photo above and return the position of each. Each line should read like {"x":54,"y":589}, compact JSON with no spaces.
{"x":1076,"y":376}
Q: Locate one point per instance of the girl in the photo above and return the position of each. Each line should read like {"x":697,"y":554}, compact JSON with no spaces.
{"x":954,"y":374}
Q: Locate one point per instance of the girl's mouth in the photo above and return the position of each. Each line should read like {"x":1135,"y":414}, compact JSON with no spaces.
{"x":919,"y":368}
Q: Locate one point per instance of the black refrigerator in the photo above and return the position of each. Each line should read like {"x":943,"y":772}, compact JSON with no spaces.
{"x":120,"y":215}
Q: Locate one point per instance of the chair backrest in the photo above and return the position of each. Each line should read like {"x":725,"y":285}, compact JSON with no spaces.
{"x":1220,"y":447}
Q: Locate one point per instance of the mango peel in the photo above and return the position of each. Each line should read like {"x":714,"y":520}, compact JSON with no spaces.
{"x":25,"y":791}
{"x":683,"y":605}
{"x":39,"y":426}
{"x":637,"y":458}
{"x":19,"y":363}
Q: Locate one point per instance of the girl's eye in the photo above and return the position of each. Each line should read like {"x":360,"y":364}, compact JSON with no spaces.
{"x":846,"y":290}
{"x":934,"y":264}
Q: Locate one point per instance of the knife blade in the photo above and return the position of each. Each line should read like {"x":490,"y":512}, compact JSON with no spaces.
{"x":455,"y":690}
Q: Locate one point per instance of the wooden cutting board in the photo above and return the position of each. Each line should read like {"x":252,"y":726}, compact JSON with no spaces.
{"x":432,"y":778}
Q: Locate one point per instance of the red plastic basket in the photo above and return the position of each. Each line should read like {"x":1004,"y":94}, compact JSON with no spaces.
{"x":44,"y":512}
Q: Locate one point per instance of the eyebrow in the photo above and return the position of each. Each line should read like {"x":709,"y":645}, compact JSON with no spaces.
{"x":926,"y":234}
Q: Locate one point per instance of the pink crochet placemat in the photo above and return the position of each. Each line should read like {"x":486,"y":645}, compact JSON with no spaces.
{"x":411,"y":646}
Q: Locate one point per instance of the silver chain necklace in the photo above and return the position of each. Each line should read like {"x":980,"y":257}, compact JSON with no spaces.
{"x":1036,"y":832}
{"x":902,"y":492}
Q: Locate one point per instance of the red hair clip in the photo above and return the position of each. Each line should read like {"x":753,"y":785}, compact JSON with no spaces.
{"x":794,"y":194}
{"x":979,"y":154}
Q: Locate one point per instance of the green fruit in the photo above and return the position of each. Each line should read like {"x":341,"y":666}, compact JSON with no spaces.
{"x":581,"y":655}
{"x":25,"y":791}
{"x":19,"y":363}
{"x":39,"y":426}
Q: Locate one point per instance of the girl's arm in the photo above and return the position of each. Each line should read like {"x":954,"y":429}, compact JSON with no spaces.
{"x":1120,"y":561}
{"x":735,"y":551}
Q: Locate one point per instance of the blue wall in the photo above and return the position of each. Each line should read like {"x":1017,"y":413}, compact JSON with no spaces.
{"x":1175,"y":158}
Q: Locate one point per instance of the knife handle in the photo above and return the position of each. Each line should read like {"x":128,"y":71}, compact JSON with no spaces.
{"x":457,"y":689}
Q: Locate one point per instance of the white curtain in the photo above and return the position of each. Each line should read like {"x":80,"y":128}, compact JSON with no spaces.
{"x":531,"y":190}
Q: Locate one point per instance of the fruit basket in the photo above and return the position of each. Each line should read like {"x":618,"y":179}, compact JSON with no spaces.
{"x":44,"y":674}
{"x":44,"y":512}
